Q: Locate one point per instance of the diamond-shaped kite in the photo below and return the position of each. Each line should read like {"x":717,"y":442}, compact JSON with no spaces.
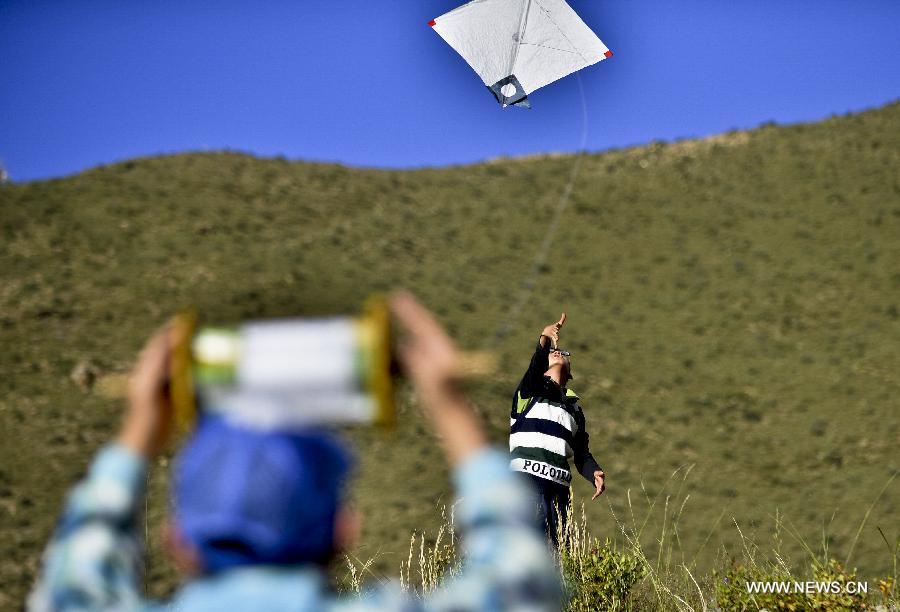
{"x":518,"y":46}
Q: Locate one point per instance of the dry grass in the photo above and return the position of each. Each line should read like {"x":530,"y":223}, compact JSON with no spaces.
{"x":625,"y":576}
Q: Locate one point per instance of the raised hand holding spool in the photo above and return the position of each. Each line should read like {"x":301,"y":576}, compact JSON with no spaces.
{"x":285,"y":373}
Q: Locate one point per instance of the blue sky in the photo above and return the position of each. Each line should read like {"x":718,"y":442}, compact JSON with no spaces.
{"x":370,"y":84}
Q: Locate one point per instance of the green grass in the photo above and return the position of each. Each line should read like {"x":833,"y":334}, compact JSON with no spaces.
{"x":734,"y":305}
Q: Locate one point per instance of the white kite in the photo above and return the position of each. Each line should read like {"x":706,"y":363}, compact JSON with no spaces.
{"x":518,"y":46}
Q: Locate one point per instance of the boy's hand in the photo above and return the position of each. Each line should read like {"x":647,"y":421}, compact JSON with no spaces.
{"x":552,"y":332}
{"x":149,"y":417}
{"x":599,"y":484}
{"x":430,"y":358}
{"x":428,"y":354}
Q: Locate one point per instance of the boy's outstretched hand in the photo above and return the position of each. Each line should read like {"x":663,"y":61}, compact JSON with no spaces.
{"x":430,"y":358}
{"x":427,"y":352}
{"x":552,"y":332}
{"x":148,"y":421}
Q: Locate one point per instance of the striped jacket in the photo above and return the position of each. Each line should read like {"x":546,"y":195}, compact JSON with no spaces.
{"x":547,"y":427}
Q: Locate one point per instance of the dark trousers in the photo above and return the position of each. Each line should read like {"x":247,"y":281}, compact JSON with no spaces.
{"x":552,"y":501}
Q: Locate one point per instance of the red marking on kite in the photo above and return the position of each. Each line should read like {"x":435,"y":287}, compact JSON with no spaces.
{"x":607,"y":54}
{"x":432,"y":22}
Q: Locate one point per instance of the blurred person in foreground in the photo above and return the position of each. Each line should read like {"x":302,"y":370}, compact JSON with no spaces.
{"x":258,"y":514}
{"x":546,"y":428}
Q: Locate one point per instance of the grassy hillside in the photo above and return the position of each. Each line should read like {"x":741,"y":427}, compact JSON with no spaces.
{"x":733,"y":308}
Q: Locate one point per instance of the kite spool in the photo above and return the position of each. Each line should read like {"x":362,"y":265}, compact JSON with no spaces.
{"x":286,"y":373}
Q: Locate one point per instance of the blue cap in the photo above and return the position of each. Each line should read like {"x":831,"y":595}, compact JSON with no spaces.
{"x":247,"y":497}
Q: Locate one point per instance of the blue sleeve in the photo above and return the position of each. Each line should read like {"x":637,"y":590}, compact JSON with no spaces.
{"x":507,"y":563}
{"x":93,"y":560}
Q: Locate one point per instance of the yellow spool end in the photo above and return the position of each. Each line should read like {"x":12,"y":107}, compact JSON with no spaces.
{"x":376,"y":326}
{"x":181,"y":385}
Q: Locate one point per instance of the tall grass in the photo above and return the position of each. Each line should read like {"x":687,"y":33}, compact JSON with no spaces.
{"x":436,"y":561}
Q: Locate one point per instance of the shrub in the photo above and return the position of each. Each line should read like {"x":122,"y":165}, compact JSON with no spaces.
{"x":597,"y":576}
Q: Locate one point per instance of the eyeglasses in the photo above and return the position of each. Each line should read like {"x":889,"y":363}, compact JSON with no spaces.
{"x":562,"y":352}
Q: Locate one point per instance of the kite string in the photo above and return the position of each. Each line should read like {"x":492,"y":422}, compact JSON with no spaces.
{"x":529,"y":281}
